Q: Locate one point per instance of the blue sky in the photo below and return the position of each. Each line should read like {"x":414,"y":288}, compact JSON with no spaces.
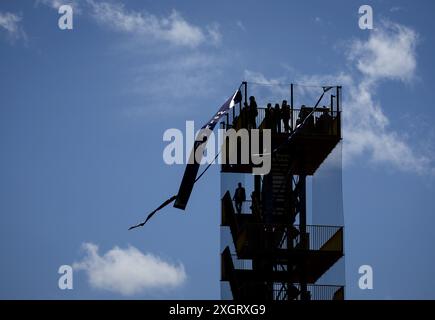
{"x":83,"y":113}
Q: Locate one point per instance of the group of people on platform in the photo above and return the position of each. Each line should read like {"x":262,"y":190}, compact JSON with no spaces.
{"x":277,"y":119}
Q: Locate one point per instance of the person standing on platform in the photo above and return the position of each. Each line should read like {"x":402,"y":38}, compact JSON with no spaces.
{"x":239,"y":197}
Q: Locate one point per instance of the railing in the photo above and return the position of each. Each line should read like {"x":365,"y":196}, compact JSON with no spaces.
{"x":270,"y":290}
{"x":274,"y":291}
{"x":315,"y":291}
{"x":282,"y":236}
{"x":318,"y":236}
{"x":286,"y":237}
{"x":241,"y":264}
{"x":322,"y":121}
{"x":245,"y":207}
{"x":238,"y":116}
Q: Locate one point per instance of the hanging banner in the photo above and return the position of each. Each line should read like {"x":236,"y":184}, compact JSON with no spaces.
{"x":192,"y":167}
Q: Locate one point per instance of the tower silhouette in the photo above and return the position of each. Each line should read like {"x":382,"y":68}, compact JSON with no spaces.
{"x":268,"y":251}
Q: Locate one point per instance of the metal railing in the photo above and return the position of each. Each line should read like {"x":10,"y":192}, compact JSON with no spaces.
{"x":273,"y":291}
{"x":245,"y":207}
{"x":241,"y":264}
{"x":318,"y":236}
{"x":321,"y":121}
{"x":315,"y":291}
{"x":238,"y":116}
{"x":282,"y":236}
{"x":290,"y":237}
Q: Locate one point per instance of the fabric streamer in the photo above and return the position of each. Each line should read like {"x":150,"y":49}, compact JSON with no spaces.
{"x":191,"y":171}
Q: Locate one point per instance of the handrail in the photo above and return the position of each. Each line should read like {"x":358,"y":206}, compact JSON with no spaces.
{"x":315,"y":237}
{"x":243,"y":89}
{"x":277,"y":291}
{"x":321,"y":118}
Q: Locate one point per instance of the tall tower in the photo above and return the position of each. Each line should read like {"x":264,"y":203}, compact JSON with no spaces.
{"x":268,"y":250}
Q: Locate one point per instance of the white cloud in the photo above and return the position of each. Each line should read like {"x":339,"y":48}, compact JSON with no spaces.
{"x":56,"y":4}
{"x":367,"y":132}
{"x":129,"y":271}
{"x":10,"y":22}
{"x":267,"y":89}
{"x":389,"y":53}
{"x":188,"y":73}
{"x":173,"y":29}
{"x":258,"y":77}
{"x":189,"y":76}
{"x":214,"y":33}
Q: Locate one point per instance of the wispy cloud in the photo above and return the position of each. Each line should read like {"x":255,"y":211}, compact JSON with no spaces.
{"x":188,"y":77}
{"x":240,"y":25}
{"x":214,"y":33}
{"x":258,"y":77}
{"x":368,"y":133}
{"x":10,"y":23}
{"x":389,"y":53}
{"x":267,"y":89}
{"x":129,"y":271}
{"x":183,"y":52}
{"x":396,"y":9}
{"x":56,"y":4}
{"x":173,"y":29}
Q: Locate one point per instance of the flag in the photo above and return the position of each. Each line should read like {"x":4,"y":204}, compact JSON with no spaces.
{"x":192,"y":167}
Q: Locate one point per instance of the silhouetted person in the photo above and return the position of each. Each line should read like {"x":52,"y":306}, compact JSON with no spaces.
{"x":323,"y":122}
{"x":306,"y":118}
{"x":268,"y":118}
{"x":277,"y":116}
{"x":255,"y":207}
{"x":239,"y":197}
{"x":285,"y":114}
{"x":253,"y":112}
{"x":244,"y":114}
{"x":273,"y":120}
{"x":302,"y":115}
